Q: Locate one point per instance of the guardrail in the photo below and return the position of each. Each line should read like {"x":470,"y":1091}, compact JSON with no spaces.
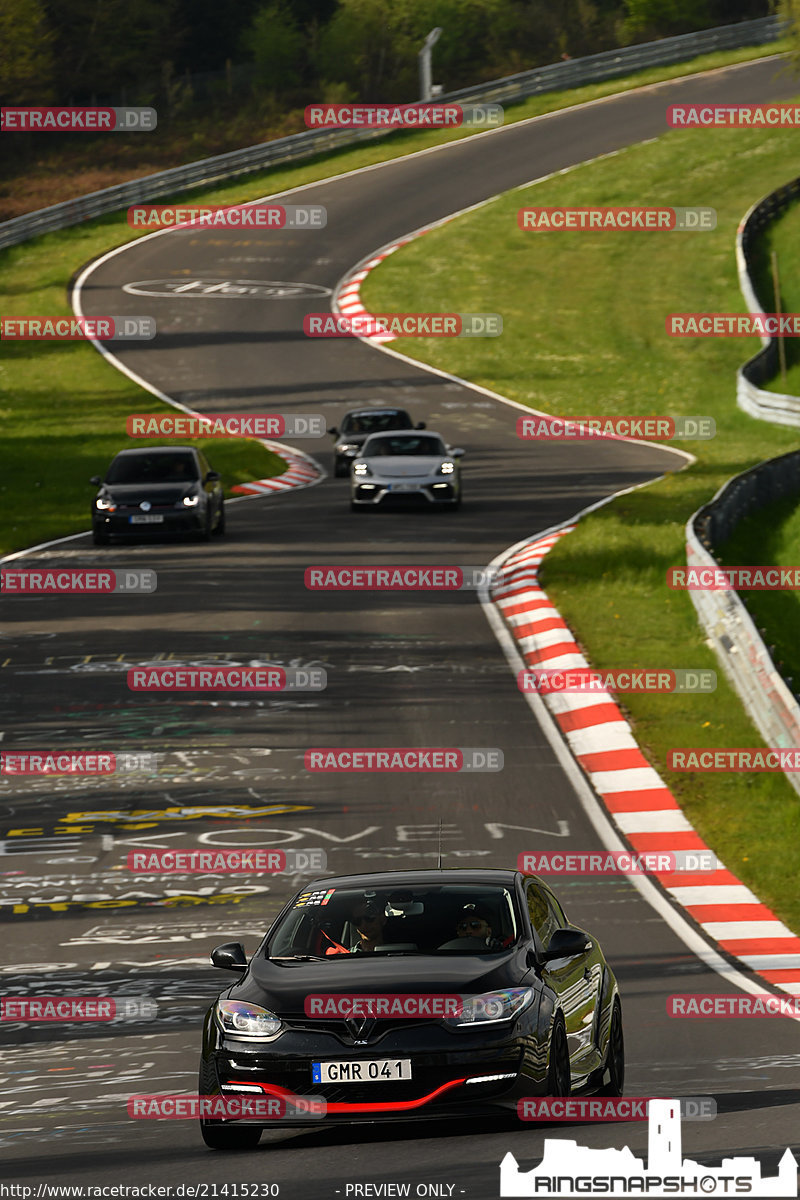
{"x":745,"y":659}
{"x":763,"y":366}
{"x":571,"y":73}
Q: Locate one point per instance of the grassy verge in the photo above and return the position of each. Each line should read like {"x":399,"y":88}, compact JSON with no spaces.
{"x":63,"y":407}
{"x":88,"y":164}
{"x":782,"y":236}
{"x":584,"y":317}
{"x":772,"y":535}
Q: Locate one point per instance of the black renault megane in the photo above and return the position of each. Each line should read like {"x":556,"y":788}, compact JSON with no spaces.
{"x":409,"y":995}
{"x":161,"y":489}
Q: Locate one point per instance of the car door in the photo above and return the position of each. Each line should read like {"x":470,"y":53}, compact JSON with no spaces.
{"x":576,"y":980}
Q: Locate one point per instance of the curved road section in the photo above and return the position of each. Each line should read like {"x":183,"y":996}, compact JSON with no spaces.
{"x":402,"y":670}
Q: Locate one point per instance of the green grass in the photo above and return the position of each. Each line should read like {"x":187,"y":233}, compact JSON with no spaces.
{"x":63,"y":408}
{"x":772,"y":535}
{"x":782,"y":236}
{"x":584,"y":317}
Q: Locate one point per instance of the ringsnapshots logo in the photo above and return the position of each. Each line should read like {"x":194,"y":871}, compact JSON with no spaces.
{"x":77,"y":119}
{"x":222,"y":425}
{"x":227,"y":1107}
{"x":222,"y":216}
{"x":586,"y":429}
{"x":402,"y":325}
{"x":403,"y":116}
{"x":681,"y":680}
{"x":400,"y":579}
{"x":733,"y":116}
{"x":74,"y":762}
{"x":616,"y":862}
{"x":30,"y":1009}
{"x":263,"y":678}
{"x":733,"y":758}
{"x":73,"y":581}
{"x":77,"y":329}
{"x":739,"y":579}
{"x":610,"y":1108}
{"x":733,"y":325}
{"x":411,"y":759}
{"x":626,"y":218}
{"x":226,"y":862}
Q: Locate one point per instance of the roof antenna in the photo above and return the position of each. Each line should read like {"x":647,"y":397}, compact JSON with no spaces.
{"x":439,"y":864}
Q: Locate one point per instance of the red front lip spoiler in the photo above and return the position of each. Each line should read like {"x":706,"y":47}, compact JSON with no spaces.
{"x":272,"y":1089}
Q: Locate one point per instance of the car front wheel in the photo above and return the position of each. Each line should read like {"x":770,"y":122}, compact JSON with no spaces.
{"x":219,"y":1135}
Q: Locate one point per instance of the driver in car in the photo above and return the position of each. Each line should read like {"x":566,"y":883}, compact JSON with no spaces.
{"x":474,"y":922}
{"x":369,"y":919}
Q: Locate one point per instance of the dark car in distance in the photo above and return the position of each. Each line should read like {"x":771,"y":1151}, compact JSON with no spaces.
{"x":358,"y":425}
{"x":161,"y":490}
{"x":538,"y":1009}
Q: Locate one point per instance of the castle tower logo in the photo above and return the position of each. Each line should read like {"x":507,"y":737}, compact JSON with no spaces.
{"x":568,"y":1169}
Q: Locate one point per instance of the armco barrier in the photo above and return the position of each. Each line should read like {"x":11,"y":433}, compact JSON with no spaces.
{"x":571,"y":73}
{"x":736,"y":641}
{"x":763,"y":366}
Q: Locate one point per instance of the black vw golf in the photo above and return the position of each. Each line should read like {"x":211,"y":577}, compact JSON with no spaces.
{"x":410,"y":995}
{"x":161,"y":490}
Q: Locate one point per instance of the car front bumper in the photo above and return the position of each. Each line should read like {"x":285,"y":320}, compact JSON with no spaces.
{"x":372,"y":492}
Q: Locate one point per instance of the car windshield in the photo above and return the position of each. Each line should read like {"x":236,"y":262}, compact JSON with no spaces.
{"x":428,"y":919}
{"x":375,"y":422}
{"x":426,"y":444}
{"x":153,"y":468}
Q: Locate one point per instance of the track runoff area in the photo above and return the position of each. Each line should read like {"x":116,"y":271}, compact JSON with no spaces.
{"x":402,"y":669}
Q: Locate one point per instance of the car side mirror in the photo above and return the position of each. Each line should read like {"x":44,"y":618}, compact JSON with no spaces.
{"x":333,"y":431}
{"x":230,"y":957}
{"x":96,"y":481}
{"x":420,"y":425}
{"x":212,"y":476}
{"x":567,"y":943}
{"x":457,"y":452}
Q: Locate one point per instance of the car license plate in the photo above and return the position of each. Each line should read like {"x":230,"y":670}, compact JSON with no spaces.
{"x":403,"y":487}
{"x":146,"y":519}
{"x":374,"y":1070}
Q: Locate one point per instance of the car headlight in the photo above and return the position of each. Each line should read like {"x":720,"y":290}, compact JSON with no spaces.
{"x":104,"y":504}
{"x":246,"y":1020}
{"x":192,"y":501}
{"x":491,"y":1007}
{"x":447,"y":468}
{"x":346,"y":448}
{"x":361,"y":468}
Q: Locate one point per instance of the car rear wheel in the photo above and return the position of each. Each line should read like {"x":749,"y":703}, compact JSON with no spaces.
{"x":614,"y":1066}
{"x":216,"y":1134}
{"x":559,"y":1079}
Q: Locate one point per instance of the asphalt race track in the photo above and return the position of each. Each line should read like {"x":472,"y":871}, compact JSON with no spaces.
{"x":402,"y":670}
